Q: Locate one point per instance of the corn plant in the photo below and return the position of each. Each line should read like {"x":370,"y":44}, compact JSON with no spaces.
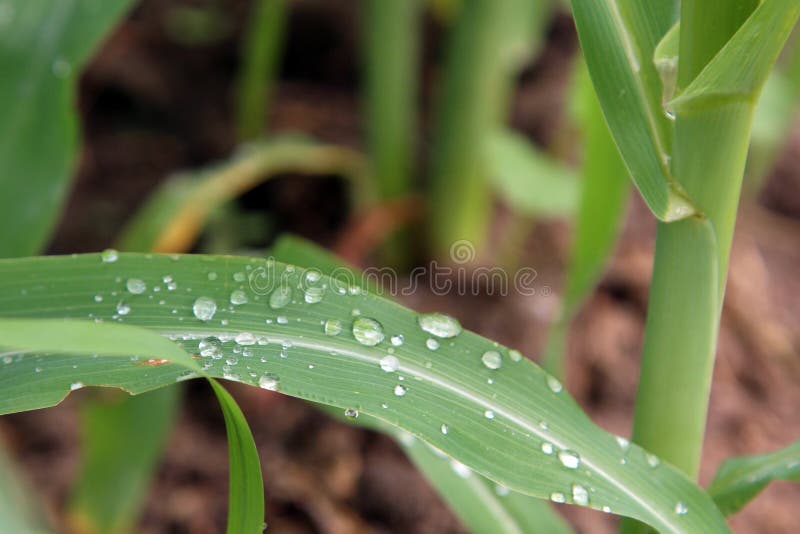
{"x":491,"y":429}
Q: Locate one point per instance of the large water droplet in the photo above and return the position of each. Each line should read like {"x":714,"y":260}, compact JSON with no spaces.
{"x":439,"y":324}
{"x":269,"y":381}
{"x":109,"y":255}
{"x":210,"y":347}
{"x":333,"y":327}
{"x":492,"y":359}
{"x":238,"y":297}
{"x":569,"y":459}
{"x":136,"y":286}
{"x":280,"y":297}
{"x":204,"y":308}
{"x":367,"y":331}
{"x":580,"y":495}
{"x":390,"y":363}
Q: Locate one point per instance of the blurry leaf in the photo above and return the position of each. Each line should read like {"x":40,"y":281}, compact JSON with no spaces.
{"x":740,"y":69}
{"x":44,"y":45}
{"x":172,"y":219}
{"x":19,"y":511}
{"x":197,"y":25}
{"x":529,"y":180}
{"x":246,"y":488}
{"x":520,"y":429}
{"x":601,"y":211}
{"x":619,"y":39}
{"x":122,"y":439}
{"x":739,"y":480}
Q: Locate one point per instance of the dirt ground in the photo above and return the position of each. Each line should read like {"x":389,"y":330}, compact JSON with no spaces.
{"x":152,"y":106}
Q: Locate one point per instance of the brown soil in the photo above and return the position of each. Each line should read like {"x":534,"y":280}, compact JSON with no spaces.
{"x":152,"y":106}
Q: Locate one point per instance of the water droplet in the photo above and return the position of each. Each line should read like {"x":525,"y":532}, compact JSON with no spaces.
{"x":98,"y":298}
{"x":210,"y":347}
{"x":623,"y":443}
{"x":444,"y":429}
{"x":282,"y":319}
{"x":501,"y":491}
{"x":270,"y":382}
{"x":547,"y":448}
{"x":136,"y":286}
{"x":397,"y":340}
{"x":515,"y":355}
{"x":580,"y":495}
{"x":352,"y":413}
{"x":432,"y":344}
{"x":75,"y":385}
{"x":239,"y":277}
{"x":681,"y":508}
{"x":333,"y":327}
{"x":109,"y":255}
{"x":245,"y":338}
{"x":280,"y":297}
{"x":238,"y":297}
{"x":399,"y":390}
{"x":652,"y":460}
{"x":439,"y":324}
{"x":204,"y":308}
{"x":313,"y":294}
{"x":460,"y":469}
{"x":557,"y":496}
{"x":606,"y":509}
{"x":492,"y":359}
{"x":123,"y":308}
{"x":390,"y":363}
{"x":367,"y":331}
{"x":554,"y":385}
{"x":488,"y":414}
{"x":313,"y":276}
{"x":569,"y":459}
{"x":212,"y":276}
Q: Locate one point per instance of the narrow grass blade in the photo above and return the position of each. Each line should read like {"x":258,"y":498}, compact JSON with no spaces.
{"x":530,"y":181}
{"x":246,"y":488}
{"x":739,"y":480}
{"x":480,"y":504}
{"x":44,"y":45}
{"x":122,"y":439}
{"x":742,"y":66}
{"x":174,"y":216}
{"x":260,"y":57}
{"x":618,"y":39}
{"x":605,"y":190}
{"x":322,"y":341}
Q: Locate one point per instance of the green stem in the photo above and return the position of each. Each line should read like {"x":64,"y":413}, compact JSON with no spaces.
{"x":691,"y":259}
{"x":261,"y":50}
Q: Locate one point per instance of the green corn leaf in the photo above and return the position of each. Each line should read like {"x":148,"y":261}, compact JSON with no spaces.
{"x":480,"y":504}
{"x":44,"y":45}
{"x":739,"y":480}
{"x":530,"y":181}
{"x":246,"y":488}
{"x":110,"y":492}
{"x":323,"y":341}
{"x":741,"y":68}
{"x":618,"y":39}
{"x":174,"y":216}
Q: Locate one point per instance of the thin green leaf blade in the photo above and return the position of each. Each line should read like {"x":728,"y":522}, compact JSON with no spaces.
{"x":618,"y":39}
{"x":739,"y":480}
{"x":246,"y":487}
{"x":498,"y":429}
{"x":531,"y":182}
{"x":44,"y":44}
{"x":741,"y":68}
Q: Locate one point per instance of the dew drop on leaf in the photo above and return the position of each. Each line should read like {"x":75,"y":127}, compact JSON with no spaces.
{"x":238,"y":297}
{"x":333,"y":327}
{"x":681,"y":508}
{"x":367,"y":331}
{"x":460,"y":469}
{"x":75,"y":385}
{"x":204,"y":308}
{"x":135,"y":286}
{"x":210,"y":347}
{"x":580,"y":495}
{"x":553,"y":383}
{"x":652,"y":460}
{"x":569,"y":459}
{"x":282,"y":319}
{"x":492,"y":359}
{"x":488,"y":414}
{"x":390,"y":363}
{"x":439,"y":324}
{"x":399,"y":390}
{"x":352,"y":413}
{"x":270,"y":382}
{"x":515,"y":355}
{"x":397,"y":340}
{"x":109,"y":255}
{"x":432,"y":344}
{"x":547,"y":448}
{"x":558,"y":497}
{"x":313,"y":295}
{"x":280,"y":297}
{"x":123,"y":308}
{"x":444,"y":429}
{"x":245,"y":339}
